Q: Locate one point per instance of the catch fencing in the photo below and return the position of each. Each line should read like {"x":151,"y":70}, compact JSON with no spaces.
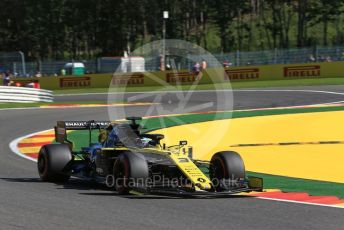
{"x":15,"y":61}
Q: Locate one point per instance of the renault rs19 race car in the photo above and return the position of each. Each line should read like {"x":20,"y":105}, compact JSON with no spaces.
{"x":130,"y":160}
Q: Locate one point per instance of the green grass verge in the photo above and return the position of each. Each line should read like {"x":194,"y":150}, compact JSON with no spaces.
{"x":286,"y":184}
{"x":28,"y":105}
{"x":312,"y":187}
{"x":80,"y":138}
{"x":234,"y":85}
{"x":157,"y":123}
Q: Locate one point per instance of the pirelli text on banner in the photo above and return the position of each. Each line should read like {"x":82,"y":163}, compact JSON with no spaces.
{"x":133,"y":79}
{"x":75,"y":82}
{"x":242,"y":74}
{"x":302,"y":71}
{"x":181,"y":77}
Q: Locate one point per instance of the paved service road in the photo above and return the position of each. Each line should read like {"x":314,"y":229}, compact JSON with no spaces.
{"x":27,"y":203}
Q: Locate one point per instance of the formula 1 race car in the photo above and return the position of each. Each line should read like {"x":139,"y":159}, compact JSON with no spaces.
{"x":129,"y":160}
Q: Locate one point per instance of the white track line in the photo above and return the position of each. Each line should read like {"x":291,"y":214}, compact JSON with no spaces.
{"x":206,"y":91}
{"x":70,"y":107}
{"x":24,"y":108}
{"x":300,"y":202}
{"x":196,"y":91}
{"x":14,"y":148}
{"x":14,"y":144}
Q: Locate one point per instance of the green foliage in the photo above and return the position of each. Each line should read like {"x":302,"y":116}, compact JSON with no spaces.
{"x":80,"y":29}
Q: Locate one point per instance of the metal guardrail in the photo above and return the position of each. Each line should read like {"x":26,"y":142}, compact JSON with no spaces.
{"x":24,"y":95}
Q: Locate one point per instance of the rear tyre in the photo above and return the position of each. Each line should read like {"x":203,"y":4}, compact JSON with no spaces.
{"x":53,"y":161}
{"x":227,"y":169}
{"x":130,"y":171}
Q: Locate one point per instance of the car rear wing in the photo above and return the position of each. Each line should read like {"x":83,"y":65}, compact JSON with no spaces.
{"x":62,"y":127}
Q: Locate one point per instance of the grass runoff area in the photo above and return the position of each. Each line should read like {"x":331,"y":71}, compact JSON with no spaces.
{"x":286,"y":184}
{"x":39,"y":104}
{"x":233,"y":85}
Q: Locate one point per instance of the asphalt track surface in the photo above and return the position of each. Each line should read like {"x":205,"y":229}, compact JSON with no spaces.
{"x":27,"y":203}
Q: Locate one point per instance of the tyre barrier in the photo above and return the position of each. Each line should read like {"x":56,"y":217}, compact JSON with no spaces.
{"x":24,"y":95}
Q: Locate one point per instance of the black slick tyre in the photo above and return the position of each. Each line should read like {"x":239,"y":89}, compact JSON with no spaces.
{"x":53,"y":161}
{"x":130,"y":171}
{"x":226,"y":166}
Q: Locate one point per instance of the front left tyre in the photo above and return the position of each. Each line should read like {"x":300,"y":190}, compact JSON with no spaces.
{"x":130,"y":171}
{"x":53,"y":163}
{"x":227,"y":170}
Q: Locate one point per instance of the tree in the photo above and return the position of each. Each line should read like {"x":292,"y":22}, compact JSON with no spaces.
{"x":82,"y":29}
{"x":325,"y":11}
{"x":301,"y":24}
{"x":223,"y":14}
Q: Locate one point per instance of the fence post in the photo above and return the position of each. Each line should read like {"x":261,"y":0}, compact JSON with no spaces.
{"x":237,"y":58}
{"x":275,"y":55}
{"x":39,"y":67}
{"x":23,"y":62}
{"x":98,"y":69}
{"x":316,"y":53}
{"x":337,"y":54}
{"x":14,"y":67}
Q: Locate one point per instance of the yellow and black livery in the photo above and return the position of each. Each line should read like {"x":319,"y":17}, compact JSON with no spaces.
{"x":130,"y":160}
